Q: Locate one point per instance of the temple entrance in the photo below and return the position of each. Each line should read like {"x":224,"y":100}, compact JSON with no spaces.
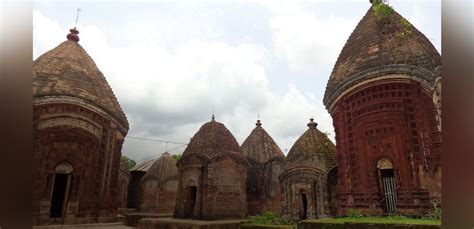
{"x":60,"y":190}
{"x":303,"y":206}
{"x":387,"y":178}
{"x":191,"y":201}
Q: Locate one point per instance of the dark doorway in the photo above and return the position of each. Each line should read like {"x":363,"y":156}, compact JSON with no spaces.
{"x":59,"y":194}
{"x":191,"y":201}
{"x":389,"y":189}
{"x":303,"y":206}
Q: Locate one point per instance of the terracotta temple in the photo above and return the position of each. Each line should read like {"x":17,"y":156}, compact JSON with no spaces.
{"x":265,"y":164}
{"x":309,"y":180}
{"x":380,"y":95}
{"x":78,"y":128}
{"x":212,"y":176}
{"x":159,"y":186}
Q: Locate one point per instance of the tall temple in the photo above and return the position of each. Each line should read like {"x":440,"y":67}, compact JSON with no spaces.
{"x":265,"y":165}
{"x":380,"y":96}
{"x":79,"y":128}
{"x":308,"y":179}
{"x":212,"y":176}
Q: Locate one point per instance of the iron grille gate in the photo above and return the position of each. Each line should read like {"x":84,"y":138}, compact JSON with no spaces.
{"x":390,"y":194}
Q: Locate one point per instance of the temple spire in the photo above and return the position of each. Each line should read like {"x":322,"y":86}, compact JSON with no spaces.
{"x":312,"y":124}
{"x":73,"y":35}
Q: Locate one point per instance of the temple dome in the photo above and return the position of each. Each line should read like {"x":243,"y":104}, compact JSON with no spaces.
{"x":382,"y":45}
{"x":313,"y":149}
{"x":212,"y":138}
{"x":68,"y":70}
{"x":260,"y":146}
{"x":162,"y":168}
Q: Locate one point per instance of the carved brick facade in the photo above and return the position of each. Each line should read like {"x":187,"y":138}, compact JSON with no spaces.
{"x":212,"y":176}
{"x":380,"y":96}
{"x":307,"y":185}
{"x":79,"y":128}
{"x":159,"y":186}
{"x":266,"y":161}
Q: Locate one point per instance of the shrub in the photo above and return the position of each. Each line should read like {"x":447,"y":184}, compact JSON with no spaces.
{"x":270,"y":218}
{"x":354,"y":213}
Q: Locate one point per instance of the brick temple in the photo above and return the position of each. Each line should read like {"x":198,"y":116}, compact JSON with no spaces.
{"x":212,"y":176}
{"x":159,"y":186}
{"x":308,"y":180}
{"x":383,"y":95}
{"x":265,"y":164}
{"x":78,"y":130}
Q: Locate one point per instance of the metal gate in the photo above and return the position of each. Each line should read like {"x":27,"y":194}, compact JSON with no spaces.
{"x":390,"y":194}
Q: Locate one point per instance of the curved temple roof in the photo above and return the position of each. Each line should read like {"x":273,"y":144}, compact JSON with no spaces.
{"x":69,"y":70}
{"x":163,"y":168}
{"x":260,"y":146}
{"x":212,"y":138}
{"x":313,"y":149}
{"x":382,"y":44}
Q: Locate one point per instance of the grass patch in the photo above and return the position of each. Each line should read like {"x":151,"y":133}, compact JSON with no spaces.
{"x":383,"y":220}
{"x":270,"y":218}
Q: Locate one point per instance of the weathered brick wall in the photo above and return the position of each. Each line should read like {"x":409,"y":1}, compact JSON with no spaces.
{"x":225,"y":196}
{"x":272,"y":198}
{"x":88,"y":141}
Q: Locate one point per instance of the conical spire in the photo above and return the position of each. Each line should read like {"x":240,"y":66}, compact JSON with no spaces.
{"x":260,"y":146}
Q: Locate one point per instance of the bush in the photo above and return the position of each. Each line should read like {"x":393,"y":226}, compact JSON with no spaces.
{"x":270,"y":218}
{"x":354,"y":213}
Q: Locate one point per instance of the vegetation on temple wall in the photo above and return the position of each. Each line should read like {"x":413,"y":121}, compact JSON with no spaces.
{"x":129,"y":163}
{"x":382,"y":11}
{"x":270,"y":218}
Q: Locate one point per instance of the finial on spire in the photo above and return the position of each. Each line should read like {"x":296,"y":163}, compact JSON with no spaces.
{"x":312,"y":124}
{"x":213,"y":116}
{"x":72,"y":36}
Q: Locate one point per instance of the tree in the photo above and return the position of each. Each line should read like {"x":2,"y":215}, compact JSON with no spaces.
{"x":176,"y":156}
{"x":129,"y":163}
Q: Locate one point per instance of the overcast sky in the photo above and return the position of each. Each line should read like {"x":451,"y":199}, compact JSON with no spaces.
{"x":170,"y":63}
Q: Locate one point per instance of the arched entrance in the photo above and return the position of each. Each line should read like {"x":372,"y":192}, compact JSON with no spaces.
{"x":60,"y":193}
{"x":387,"y":180}
{"x":303,"y":205}
{"x":191,"y":198}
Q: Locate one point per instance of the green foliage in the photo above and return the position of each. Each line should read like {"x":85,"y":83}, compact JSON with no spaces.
{"x":177,"y":156}
{"x":397,"y":217}
{"x":382,"y":11}
{"x":382,"y":220}
{"x":129,"y":163}
{"x":326,"y":133}
{"x":354,"y":213}
{"x":270,"y":218}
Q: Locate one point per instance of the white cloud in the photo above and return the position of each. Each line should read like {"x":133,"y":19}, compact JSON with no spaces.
{"x":169,"y":92}
{"x":304,"y":41}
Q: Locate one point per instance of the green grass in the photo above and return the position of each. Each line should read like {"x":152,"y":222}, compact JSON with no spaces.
{"x":385,"y":220}
{"x":269,"y":218}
